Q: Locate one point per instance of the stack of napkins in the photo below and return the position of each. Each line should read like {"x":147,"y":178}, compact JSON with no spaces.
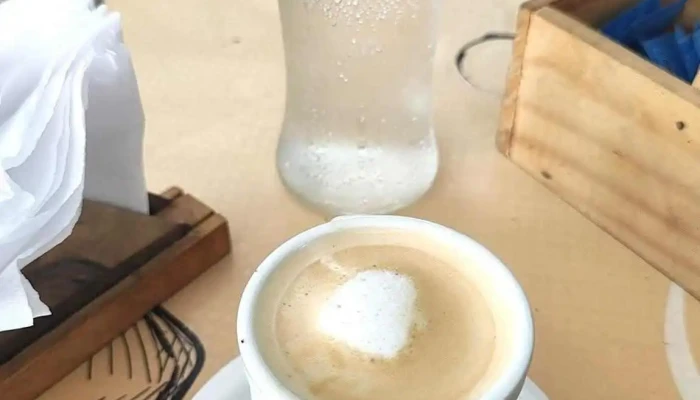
{"x":67,"y":88}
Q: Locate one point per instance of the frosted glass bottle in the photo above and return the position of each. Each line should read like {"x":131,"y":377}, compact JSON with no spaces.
{"x":358,"y":131}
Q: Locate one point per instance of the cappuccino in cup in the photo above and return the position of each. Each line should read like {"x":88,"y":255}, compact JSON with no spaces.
{"x":384,"y":308}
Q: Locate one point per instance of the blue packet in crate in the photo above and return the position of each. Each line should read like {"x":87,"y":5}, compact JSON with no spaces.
{"x":696,"y":43}
{"x":664,"y":52}
{"x":656,"y":22}
{"x":618,"y":28}
{"x":687,"y":49}
{"x":646,"y":29}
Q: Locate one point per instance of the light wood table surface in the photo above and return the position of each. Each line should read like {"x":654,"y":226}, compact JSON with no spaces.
{"x":212,"y":80}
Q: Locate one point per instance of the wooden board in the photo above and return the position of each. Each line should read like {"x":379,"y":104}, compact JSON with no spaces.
{"x":114,"y":268}
{"x":613,"y":135}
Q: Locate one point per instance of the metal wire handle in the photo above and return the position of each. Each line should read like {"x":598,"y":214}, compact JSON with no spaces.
{"x":464,"y":50}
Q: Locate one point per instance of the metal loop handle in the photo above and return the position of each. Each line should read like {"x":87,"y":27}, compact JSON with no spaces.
{"x":461,"y":55}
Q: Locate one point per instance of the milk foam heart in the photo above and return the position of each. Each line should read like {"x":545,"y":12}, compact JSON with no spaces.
{"x":373,"y":312}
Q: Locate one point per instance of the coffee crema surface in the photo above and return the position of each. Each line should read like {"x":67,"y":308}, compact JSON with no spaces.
{"x":377,"y":314}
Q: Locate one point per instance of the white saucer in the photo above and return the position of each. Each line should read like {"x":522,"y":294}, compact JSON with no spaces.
{"x":230,"y":384}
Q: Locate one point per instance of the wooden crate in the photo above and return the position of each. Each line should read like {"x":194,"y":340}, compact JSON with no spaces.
{"x":610,"y":133}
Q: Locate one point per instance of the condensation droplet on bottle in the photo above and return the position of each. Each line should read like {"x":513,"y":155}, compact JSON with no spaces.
{"x":383,"y":120}
{"x":362,"y":119}
{"x":338,"y":63}
{"x":414,"y":119}
{"x":330,"y":133}
{"x":341,"y":76}
{"x":379,"y":49}
{"x":338,"y":1}
{"x":354,"y":41}
{"x":286,"y":164}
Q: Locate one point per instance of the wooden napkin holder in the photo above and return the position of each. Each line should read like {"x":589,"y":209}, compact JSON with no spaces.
{"x":115,"y":267}
{"x":610,"y":133}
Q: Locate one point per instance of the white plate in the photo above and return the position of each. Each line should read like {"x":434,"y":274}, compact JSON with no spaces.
{"x":230,"y":384}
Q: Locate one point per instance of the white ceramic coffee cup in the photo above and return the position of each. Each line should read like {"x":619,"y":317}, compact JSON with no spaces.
{"x":507,"y":386}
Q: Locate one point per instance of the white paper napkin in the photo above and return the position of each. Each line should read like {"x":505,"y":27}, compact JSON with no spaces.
{"x":115,"y":126}
{"x":14,"y":305}
{"x":54,"y":56}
